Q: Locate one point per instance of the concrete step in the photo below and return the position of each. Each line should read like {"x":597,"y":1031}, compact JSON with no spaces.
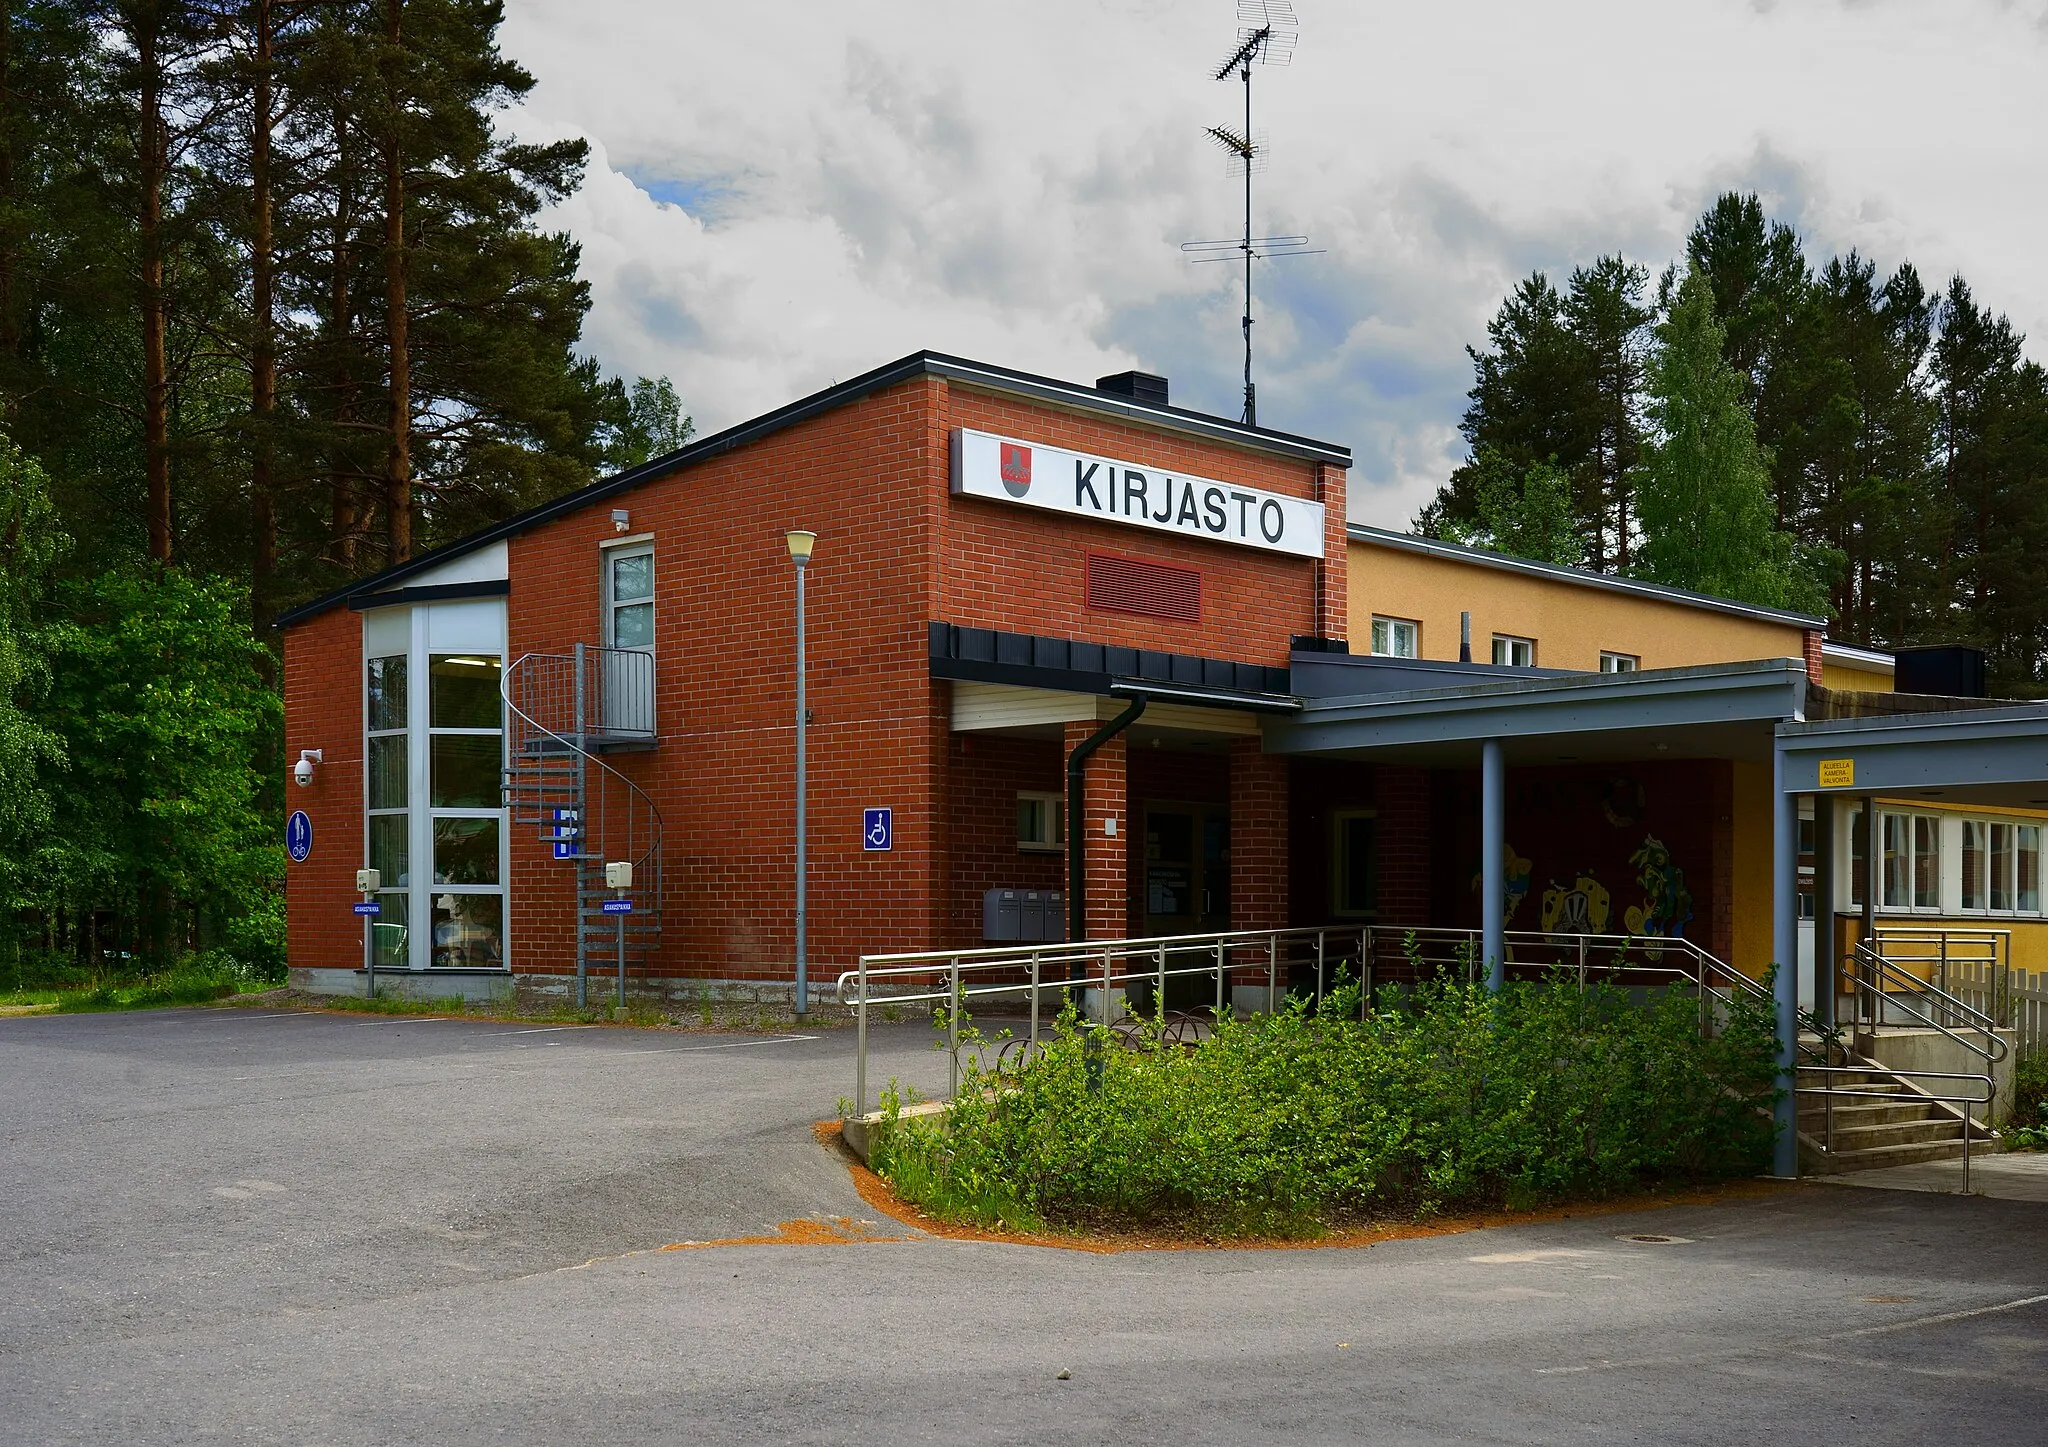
{"x":1903,"y":1133}
{"x":1900,"y":1155}
{"x":1812,"y":1116}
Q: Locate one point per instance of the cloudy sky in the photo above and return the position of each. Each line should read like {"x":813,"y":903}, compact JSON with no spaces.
{"x":785,"y":194}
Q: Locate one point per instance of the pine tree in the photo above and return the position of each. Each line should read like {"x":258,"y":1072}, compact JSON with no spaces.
{"x":1703,"y":492}
{"x":1609,"y":322}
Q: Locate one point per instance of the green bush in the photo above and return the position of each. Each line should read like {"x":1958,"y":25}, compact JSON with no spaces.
{"x":1449,"y":1096}
{"x":2027,"y":1126}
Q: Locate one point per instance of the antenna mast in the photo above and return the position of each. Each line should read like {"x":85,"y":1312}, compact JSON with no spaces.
{"x":1266,"y":35}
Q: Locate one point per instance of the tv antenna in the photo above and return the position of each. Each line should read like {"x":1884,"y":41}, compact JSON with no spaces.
{"x":1266,"y":32}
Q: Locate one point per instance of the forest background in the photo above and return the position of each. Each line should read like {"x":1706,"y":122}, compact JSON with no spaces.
{"x":276,"y":312}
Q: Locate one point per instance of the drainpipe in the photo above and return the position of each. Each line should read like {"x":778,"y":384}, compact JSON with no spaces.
{"x":1493,"y":861}
{"x":1077,"y":843}
{"x":1464,"y":638}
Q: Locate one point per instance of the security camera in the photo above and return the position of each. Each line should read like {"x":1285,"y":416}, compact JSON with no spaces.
{"x":302,"y":771}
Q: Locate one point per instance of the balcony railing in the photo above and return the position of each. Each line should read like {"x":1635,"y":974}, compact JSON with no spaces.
{"x":593,"y":696}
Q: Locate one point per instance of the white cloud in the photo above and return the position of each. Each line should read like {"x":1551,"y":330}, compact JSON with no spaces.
{"x":782,"y":195}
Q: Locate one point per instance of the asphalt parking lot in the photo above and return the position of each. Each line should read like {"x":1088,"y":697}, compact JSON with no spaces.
{"x":248,"y":1226}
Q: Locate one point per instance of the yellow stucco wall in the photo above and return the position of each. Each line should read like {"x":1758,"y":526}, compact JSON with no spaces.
{"x":1750,"y":928}
{"x":1858,"y":680}
{"x":1571,"y":623}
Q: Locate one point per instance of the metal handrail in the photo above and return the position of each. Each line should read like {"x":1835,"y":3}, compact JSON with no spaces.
{"x":1581,"y":950}
{"x":958,"y":976}
{"x":1908,"y":1095}
{"x":1877,"y":986}
{"x":1934,"y":948}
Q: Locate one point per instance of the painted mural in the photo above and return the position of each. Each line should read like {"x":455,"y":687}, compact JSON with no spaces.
{"x":1667,"y":907}
{"x":1581,"y":910}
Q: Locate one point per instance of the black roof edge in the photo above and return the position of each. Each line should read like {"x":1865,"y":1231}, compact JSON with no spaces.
{"x":838,"y":395}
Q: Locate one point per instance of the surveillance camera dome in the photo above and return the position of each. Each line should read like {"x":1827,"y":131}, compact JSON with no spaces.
{"x":303,"y":772}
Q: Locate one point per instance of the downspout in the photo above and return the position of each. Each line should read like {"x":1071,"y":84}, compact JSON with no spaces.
{"x":1077,"y":842}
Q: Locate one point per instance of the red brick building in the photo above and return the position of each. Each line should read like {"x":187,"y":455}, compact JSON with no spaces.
{"x":1004,"y":563}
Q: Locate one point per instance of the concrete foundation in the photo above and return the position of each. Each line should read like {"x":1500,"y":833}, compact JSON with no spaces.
{"x":1899,"y":1049}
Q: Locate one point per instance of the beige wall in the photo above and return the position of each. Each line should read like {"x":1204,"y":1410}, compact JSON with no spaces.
{"x":1571,"y":623}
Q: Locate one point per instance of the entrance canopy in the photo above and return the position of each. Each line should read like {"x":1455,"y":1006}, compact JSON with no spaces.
{"x":1722,"y":711}
{"x":1990,"y":756}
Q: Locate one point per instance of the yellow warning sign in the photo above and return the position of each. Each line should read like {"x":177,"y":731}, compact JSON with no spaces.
{"x":1837,"y":773}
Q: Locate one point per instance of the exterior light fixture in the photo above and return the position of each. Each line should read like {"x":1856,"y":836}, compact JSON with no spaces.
{"x":621,"y":519}
{"x":800,"y":545}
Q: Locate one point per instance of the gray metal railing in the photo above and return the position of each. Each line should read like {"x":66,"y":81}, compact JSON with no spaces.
{"x":590,"y":695}
{"x":1367,"y":955}
{"x":1886,"y":989}
{"x":1906,"y":1093}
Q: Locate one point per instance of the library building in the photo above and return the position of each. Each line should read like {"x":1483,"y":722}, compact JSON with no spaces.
{"x":1079,"y":663}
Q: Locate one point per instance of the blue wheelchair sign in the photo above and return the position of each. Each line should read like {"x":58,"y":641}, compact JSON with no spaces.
{"x":298,"y":836}
{"x":877,"y":829}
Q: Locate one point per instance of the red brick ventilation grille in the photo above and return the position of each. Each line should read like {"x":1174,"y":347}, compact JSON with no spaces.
{"x":1124,"y":585}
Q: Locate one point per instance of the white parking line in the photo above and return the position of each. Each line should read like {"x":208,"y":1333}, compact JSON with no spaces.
{"x":728,"y":1045}
{"x":1946,"y":1316}
{"x":539,"y":1030}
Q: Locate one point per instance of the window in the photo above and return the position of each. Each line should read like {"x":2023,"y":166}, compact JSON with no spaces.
{"x":1513,"y":652}
{"x":2001,"y":866}
{"x":466,"y":773}
{"x":1396,"y":637}
{"x":1619,"y":662}
{"x":1040,"y":822}
{"x":1354,"y":887}
{"x":629,"y":597}
{"x":434,"y":816}
{"x":1910,"y":861}
{"x":386,"y":797}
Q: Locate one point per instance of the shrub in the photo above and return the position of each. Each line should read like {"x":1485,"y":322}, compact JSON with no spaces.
{"x":2027,"y":1126}
{"x":1283,"y":1124}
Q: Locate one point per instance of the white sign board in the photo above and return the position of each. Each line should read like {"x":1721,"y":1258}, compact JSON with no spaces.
{"x":1084,"y":484}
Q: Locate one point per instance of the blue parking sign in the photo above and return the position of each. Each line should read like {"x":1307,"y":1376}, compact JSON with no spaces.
{"x":877,"y":829}
{"x":298,"y":836}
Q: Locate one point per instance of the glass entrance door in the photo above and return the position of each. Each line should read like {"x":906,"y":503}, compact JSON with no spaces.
{"x":1187,"y":868}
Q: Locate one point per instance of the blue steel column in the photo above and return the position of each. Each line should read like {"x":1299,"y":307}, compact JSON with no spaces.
{"x":1785,"y":950}
{"x":1493,"y":860}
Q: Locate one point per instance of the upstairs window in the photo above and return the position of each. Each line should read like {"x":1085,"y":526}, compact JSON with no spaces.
{"x":629,"y":597}
{"x":1509,"y":652}
{"x":1396,"y":637}
{"x":1619,"y":662}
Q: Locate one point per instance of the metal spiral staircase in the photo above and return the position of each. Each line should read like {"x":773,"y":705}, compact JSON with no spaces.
{"x":564,"y":712}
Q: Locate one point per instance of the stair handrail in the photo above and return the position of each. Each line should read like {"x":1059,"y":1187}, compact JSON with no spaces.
{"x":1880,"y":983}
{"x":635,"y":794}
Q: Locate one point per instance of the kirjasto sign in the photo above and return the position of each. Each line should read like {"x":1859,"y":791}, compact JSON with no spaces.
{"x":1081,"y":484}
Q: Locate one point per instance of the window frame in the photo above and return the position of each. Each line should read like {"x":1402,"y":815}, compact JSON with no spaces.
{"x":1341,"y":907}
{"x":1612,"y":662}
{"x":2002,"y":844}
{"x":1391,"y":624}
{"x":1055,"y":811}
{"x":1505,"y":643}
{"x":609,"y":604}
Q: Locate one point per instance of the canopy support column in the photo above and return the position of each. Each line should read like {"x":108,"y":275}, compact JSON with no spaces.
{"x":1493,"y":860}
{"x":1785,"y":953}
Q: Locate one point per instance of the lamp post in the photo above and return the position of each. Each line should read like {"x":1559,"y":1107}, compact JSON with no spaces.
{"x":800,"y":545}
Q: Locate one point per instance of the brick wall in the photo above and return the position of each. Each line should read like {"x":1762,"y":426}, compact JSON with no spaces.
{"x":1105,"y":795}
{"x":1814,"y":662}
{"x":895,"y":551}
{"x":1025,"y":571}
{"x":323,"y":709}
{"x":1258,"y":837}
{"x":1401,"y":799}
{"x":985,"y":773}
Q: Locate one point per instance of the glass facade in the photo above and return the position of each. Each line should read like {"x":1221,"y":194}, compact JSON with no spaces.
{"x":434,"y":752}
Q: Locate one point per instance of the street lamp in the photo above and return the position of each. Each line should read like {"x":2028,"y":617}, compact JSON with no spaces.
{"x":800,"y":545}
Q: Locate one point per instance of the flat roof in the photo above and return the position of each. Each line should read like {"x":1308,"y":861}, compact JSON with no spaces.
{"x":1074,"y":395}
{"x":1720,"y":710}
{"x":1577,"y":577}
